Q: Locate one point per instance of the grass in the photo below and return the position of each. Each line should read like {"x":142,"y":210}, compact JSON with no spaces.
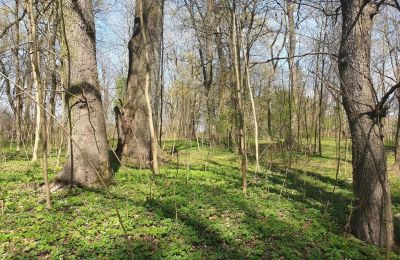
{"x":198,"y":213}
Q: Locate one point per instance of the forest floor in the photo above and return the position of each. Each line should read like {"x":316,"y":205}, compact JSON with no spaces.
{"x":197,"y":212}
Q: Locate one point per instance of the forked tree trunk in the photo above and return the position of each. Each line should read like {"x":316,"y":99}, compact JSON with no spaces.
{"x":136,"y":146}
{"x":89,"y":164}
{"x":371,"y":220}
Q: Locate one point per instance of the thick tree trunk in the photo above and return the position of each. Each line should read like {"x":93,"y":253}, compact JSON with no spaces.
{"x":89,"y":164}
{"x":134,"y":113}
{"x":372,"y":216}
{"x":153,"y":138}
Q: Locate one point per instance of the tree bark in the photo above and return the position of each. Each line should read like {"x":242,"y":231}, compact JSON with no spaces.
{"x":397,"y":137}
{"x":240,"y":112}
{"x":40,"y":98}
{"x":153,"y":138}
{"x":134,"y":112}
{"x":292,"y":71}
{"x":18,"y":92}
{"x":253,"y":107}
{"x":37,"y":128}
{"x":371,"y":220}
{"x":53,"y":78}
{"x":89,"y":164}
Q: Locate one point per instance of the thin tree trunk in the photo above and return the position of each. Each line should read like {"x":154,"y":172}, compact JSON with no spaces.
{"x":40,"y":97}
{"x":153,"y":138}
{"x":397,"y":137}
{"x":18,"y":92}
{"x":292,"y":70}
{"x":161,"y":80}
{"x":269,"y":118}
{"x":320,"y":114}
{"x":53,"y":82}
{"x":253,"y":107}
{"x":242,"y":135}
{"x":37,"y":127}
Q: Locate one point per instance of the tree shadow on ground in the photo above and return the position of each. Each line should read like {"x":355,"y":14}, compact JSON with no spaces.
{"x":275,"y":233}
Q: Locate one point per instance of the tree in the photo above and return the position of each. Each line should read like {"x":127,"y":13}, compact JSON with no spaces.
{"x":239,"y":96}
{"x":136,"y":141}
{"x":40,"y":98}
{"x":88,"y":164}
{"x":372,"y":214}
{"x":153,"y":138}
{"x":293,"y":84}
{"x":18,"y":92}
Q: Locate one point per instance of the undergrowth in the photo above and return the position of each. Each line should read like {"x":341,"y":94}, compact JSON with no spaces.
{"x":194,"y":210}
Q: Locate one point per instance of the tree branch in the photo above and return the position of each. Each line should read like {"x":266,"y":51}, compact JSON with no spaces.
{"x":294,"y":56}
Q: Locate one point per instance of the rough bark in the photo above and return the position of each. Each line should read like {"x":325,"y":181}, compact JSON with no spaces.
{"x":89,"y":164}
{"x":371,"y":220}
{"x":134,"y":112}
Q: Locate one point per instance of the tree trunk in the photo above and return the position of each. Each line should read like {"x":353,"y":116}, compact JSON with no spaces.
{"x":40,"y":98}
{"x":37,"y":128}
{"x":397,"y":137}
{"x":53,"y":81}
{"x":320,"y":111}
{"x":18,"y":92}
{"x":372,"y":216}
{"x":89,"y":164}
{"x":253,"y":107}
{"x":134,"y":113}
{"x":292,"y":71}
{"x":240,"y":112}
{"x":153,"y":138}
